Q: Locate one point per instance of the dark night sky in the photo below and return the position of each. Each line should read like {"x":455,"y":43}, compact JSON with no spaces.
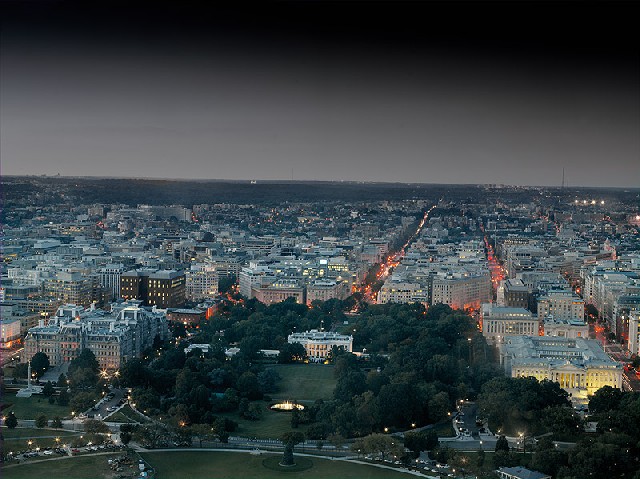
{"x":452,"y":92}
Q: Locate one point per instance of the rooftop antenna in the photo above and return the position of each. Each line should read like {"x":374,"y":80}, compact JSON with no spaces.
{"x":563,"y":178}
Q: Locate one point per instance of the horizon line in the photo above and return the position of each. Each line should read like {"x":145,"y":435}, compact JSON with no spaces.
{"x":285,"y":180}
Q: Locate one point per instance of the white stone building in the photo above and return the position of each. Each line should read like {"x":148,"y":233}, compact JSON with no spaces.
{"x":501,"y":321}
{"x":580,"y":366}
{"x":319,"y":343}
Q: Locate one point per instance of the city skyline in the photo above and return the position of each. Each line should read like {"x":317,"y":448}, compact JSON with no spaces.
{"x":312,"y":92}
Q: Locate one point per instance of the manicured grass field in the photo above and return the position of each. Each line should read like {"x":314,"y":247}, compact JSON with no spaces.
{"x":28,"y":432}
{"x":305,"y":382}
{"x":227,"y":465}
{"x":87,"y":467}
{"x":301,"y":382}
{"x":32,"y":407}
{"x":126,"y":414}
{"x":196,"y":465}
{"x":444,"y":429}
{"x":271,"y":426}
{"x":118,"y":417}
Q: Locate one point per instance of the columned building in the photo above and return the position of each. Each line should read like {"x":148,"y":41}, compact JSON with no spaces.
{"x":318,"y":344}
{"x":501,"y":321}
{"x":580,"y":366}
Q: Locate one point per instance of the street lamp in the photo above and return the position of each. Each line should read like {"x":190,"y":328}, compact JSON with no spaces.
{"x":523,"y":438}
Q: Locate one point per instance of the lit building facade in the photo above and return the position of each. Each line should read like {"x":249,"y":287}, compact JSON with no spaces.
{"x":201,"y":282}
{"x":318,"y":344}
{"x":324,"y":290}
{"x":279,"y":291}
{"x":161,"y":288}
{"x":580,"y":366}
{"x":462,"y":290}
{"x":402,"y":292}
{"x":9,"y":333}
{"x":70,"y":288}
{"x":561,"y":305}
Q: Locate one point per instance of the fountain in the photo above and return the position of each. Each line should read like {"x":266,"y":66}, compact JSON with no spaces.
{"x":286,"y":406}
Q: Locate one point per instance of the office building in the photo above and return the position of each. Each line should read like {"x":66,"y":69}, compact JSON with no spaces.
{"x":161,"y":288}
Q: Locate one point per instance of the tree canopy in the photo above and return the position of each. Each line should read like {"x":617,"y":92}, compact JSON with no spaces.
{"x":39,"y":364}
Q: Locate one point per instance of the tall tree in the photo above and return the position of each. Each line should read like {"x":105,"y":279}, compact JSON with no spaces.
{"x":48,"y":390}
{"x":381,"y":444}
{"x":605,"y":399}
{"x":290,"y":439}
{"x":39,"y":364}
{"x":11,"y":421}
{"x":41,"y":421}
{"x":502,"y":444}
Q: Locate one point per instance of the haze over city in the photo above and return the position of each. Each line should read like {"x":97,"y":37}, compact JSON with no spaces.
{"x":415,"y":92}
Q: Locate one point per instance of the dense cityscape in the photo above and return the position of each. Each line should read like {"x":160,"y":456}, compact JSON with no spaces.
{"x":442,"y":330}
{"x":319,"y":239}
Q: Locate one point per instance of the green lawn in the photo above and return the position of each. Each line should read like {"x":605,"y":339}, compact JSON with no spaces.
{"x":126,"y":414}
{"x":28,"y":432}
{"x":301,"y":382}
{"x":32,"y":407}
{"x":119,"y":417}
{"x":305,"y":382}
{"x":271,"y":426}
{"x":196,"y":465}
{"x":444,"y":429}
{"x":86,"y":467}
{"x":222,"y":465}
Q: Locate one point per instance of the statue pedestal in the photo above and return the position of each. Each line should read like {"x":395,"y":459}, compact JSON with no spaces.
{"x":29,"y":391}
